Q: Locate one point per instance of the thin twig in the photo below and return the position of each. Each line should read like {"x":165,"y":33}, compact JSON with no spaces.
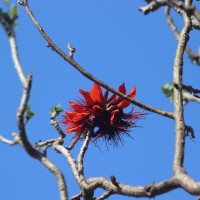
{"x":15,"y":57}
{"x":195,"y":58}
{"x":57,"y":127}
{"x":10,"y":142}
{"x":152,"y":6}
{"x":190,"y":9}
{"x":189,"y":97}
{"x":73,"y":63}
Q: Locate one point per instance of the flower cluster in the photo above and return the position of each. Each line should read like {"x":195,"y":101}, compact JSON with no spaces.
{"x":100,"y":115}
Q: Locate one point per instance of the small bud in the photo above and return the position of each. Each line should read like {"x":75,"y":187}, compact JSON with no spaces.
{"x":71,"y":50}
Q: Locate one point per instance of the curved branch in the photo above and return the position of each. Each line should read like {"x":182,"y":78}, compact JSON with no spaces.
{"x":66,"y":153}
{"x":28,"y":147}
{"x":178,"y":95}
{"x":73,"y":63}
{"x":150,"y":190}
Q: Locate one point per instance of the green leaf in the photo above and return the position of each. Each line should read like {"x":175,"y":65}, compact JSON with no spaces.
{"x":14,"y":11}
{"x":28,"y":112}
{"x":168,"y":91}
{"x":56,"y":110}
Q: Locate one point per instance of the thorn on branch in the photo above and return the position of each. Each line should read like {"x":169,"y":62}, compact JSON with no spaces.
{"x":189,"y":131}
{"x":177,"y":87}
{"x":48,"y":45}
{"x":71,"y":50}
{"x":114,"y":181}
{"x":149,"y":189}
{"x":21,"y":3}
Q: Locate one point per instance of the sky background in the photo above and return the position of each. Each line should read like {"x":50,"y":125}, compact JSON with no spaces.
{"x":116,"y":43}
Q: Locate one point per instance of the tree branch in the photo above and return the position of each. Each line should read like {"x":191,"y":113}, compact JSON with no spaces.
{"x":189,"y":97}
{"x":28,"y":147}
{"x":73,"y":63}
{"x":195,"y":58}
{"x":10,"y":142}
{"x":150,"y":190}
{"x":15,"y":57}
{"x":81,"y":156}
{"x":152,"y":6}
{"x":178,"y":97}
{"x":66,"y":153}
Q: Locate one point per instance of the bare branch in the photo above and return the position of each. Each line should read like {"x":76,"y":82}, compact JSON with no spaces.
{"x":152,"y":6}
{"x":21,"y":138}
{"x":81,"y":156}
{"x":57,"y":127}
{"x":178,"y":97}
{"x":10,"y":142}
{"x":150,"y":190}
{"x":87,"y":74}
{"x":188,"y":183}
{"x":15,"y":57}
{"x":66,"y":153}
{"x":28,"y":147}
{"x":189,"y":97}
{"x":195,"y":58}
{"x":188,"y":8}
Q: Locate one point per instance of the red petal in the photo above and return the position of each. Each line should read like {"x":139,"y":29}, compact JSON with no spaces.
{"x":76,"y":117}
{"x":132,"y":94}
{"x":124,"y":103}
{"x":76,"y":106}
{"x":97,"y":111}
{"x":87,"y":97}
{"x":74,"y":129}
{"x":96,"y":94}
{"x":113,"y":113}
{"x":122,"y":88}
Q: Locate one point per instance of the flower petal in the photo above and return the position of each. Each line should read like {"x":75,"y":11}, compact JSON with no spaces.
{"x":132,"y":94}
{"x":76,"y":107}
{"x":87,"y":97}
{"x":124,"y":103}
{"x":75,"y":117}
{"x":74,"y":129}
{"x":122,"y":88}
{"x":96,"y":94}
{"x":113,"y":114}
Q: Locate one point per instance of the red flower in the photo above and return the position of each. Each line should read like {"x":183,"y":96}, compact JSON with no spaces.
{"x":100,"y":115}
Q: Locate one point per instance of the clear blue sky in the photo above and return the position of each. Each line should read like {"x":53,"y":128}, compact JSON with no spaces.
{"x":116,"y":43}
